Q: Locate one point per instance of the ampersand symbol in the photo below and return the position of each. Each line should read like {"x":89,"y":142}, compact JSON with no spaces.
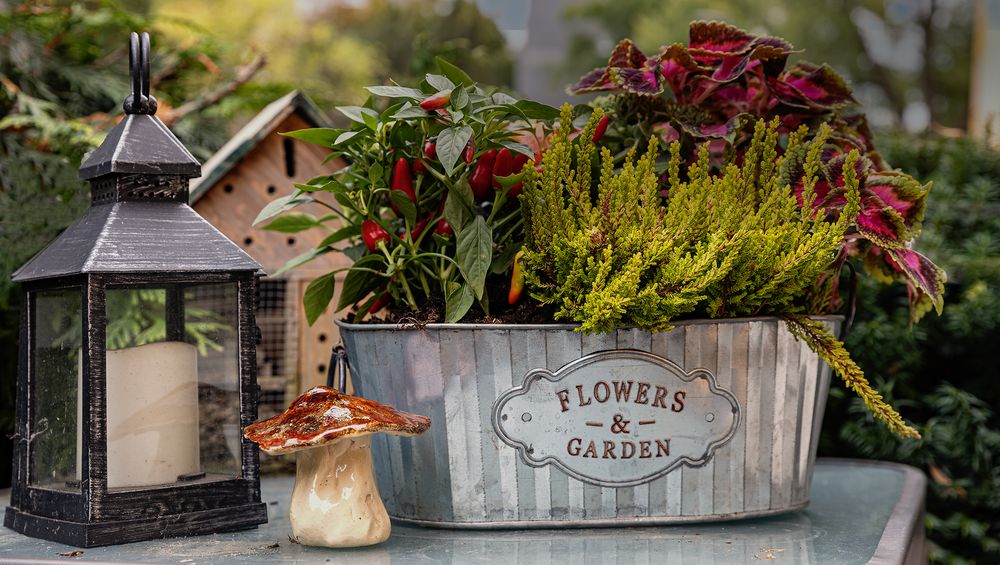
{"x":619,"y":425}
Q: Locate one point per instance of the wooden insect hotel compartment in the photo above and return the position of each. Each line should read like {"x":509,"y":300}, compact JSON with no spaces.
{"x":257,"y":165}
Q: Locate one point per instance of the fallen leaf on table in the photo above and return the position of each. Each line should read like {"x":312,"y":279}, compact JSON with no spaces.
{"x":76,"y":553}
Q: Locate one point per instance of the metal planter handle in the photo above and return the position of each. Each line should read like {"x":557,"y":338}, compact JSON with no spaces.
{"x":337,"y":371}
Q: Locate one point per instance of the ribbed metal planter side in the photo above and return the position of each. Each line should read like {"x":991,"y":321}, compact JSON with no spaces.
{"x":460,"y":473}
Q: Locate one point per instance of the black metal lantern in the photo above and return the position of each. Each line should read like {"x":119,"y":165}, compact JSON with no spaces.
{"x":137,"y":356}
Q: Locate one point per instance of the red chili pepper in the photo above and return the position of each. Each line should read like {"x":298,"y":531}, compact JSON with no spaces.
{"x":602,"y":126}
{"x":443,"y":228}
{"x":470,"y":152}
{"x":401,"y":179}
{"x":380,"y":303}
{"x":482,"y":175}
{"x":418,"y":228}
{"x":372,"y":234}
{"x":519,"y":160}
{"x":430,"y":150}
{"x":436,"y":101}
{"x":503,"y":166}
{"x":418,"y":167}
{"x":516,"y":280}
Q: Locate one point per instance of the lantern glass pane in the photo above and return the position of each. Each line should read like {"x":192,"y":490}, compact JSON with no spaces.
{"x":172,"y":384}
{"x":56,"y":371}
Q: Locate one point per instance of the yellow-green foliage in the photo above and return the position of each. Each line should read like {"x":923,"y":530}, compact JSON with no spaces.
{"x":731,"y":244}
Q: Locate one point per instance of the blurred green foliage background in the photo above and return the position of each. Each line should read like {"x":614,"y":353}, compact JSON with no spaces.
{"x":63,"y":77}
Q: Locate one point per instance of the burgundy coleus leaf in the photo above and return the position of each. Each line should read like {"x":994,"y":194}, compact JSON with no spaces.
{"x":597,"y":80}
{"x":638,"y":81}
{"x":816,"y":86}
{"x":627,"y":55}
{"x":725,"y":131}
{"x":679,"y":70}
{"x":925,"y":280}
{"x":719,"y":37}
{"x":892,"y":205}
{"x":901,"y":192}
{"x":731,"y":67}
{"x":628,"y":69}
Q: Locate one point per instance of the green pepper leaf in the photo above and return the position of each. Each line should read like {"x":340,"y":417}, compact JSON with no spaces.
{"x":375,"y":173}
{"x":439,"y":82}
{"x":455,"y":74}
{"x":406,"y":206}
{"x":536,"y":110}
{"x":282,"y":204}
{"x":450,"y":144}
{"x":351,"y":230}
{"x":474,"y":252}
{"x":318,"y":295}
{"x":370,"y":120}
{"x":518,"y":148}
{"x":409,"y":111}
{"x":502,"y":99}
{"x":457,"y":207}
{"x":459,"y":100}
{"x":508,"y":181}
{"x":396,"y":92}
{"x":457,"y":302}
{"x":357,"y":113}
{"x":292,"y":223}
{"x":320,"y":136}
{"x":359,"y":283}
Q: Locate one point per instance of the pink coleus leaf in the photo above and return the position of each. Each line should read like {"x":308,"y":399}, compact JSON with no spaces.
{"x":816,"y":86}
{"x":925,"y":280}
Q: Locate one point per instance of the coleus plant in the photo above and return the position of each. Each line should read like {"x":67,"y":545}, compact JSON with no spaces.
{"x":713,"y":89}
{"x":427,"y":203}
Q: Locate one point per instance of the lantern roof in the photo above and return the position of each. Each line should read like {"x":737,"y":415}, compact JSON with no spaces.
{"x":139,"y":220}
{"x":140,"y":144}
{"x":137,"y":237}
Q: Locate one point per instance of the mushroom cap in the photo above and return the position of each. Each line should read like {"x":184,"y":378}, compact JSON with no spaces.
{"x":324,"y":414}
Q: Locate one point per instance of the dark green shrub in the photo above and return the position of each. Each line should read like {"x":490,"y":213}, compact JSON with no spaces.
{"x":941,"y":373}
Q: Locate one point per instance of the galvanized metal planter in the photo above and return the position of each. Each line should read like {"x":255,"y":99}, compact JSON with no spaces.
{"x":542,"y":426}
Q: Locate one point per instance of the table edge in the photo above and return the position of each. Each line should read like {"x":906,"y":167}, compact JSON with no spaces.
{"x":906,"y":516}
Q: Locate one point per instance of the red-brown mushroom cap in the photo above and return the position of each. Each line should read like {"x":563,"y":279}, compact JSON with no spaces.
{"x":323,"y":414}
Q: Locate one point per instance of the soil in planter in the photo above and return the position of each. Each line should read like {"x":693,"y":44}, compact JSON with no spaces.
{"x":524,"y":312}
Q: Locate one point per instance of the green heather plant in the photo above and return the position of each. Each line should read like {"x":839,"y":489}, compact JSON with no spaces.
{"x":731,"y":244}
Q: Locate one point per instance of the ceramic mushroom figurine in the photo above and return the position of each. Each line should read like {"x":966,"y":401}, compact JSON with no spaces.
{"x":335,"y":502}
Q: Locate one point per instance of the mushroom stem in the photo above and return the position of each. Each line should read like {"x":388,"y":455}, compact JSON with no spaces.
{"x":335,"y":502}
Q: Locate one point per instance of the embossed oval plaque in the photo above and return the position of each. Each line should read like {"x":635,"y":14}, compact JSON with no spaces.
{"x":617,"y":418}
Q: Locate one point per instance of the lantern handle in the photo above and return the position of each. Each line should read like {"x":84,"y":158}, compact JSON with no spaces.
{"x":139,"y":101}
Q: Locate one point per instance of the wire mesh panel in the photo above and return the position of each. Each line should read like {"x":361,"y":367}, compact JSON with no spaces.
{"x":277,"y":354}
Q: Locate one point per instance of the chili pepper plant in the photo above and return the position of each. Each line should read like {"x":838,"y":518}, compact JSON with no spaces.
{"x":427,"y":204}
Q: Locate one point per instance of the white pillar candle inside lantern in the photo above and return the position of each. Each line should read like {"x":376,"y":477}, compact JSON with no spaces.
{"x":152,"y":408}
{"x":152,"y":400}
